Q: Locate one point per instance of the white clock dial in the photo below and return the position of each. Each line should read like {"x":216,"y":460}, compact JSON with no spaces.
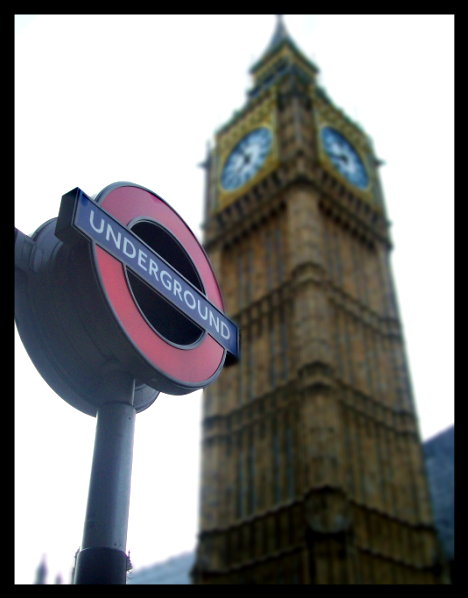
{"x":344,"y":157}
{"x":246,"y":158}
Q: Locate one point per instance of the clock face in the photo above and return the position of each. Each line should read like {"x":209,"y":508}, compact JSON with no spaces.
{"x":246,"y":158}
{"x":344,"y":157}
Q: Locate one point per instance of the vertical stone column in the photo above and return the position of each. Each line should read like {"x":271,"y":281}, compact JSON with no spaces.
{"x":327,"y":513}
{"x":311,"y":328}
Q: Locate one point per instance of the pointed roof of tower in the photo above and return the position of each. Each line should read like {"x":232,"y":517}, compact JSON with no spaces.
{"x":281,"y":45}
{"x":280,"y":34}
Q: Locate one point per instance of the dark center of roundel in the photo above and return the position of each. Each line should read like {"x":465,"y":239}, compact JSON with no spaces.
{"x":161,"y":315}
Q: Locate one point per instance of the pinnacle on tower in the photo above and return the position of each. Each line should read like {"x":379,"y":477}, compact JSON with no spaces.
{"x":281,"y":34}
{"x":41,"y":572}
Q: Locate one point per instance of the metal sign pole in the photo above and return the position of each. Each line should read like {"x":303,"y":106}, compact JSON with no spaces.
{"x":102,"y":558}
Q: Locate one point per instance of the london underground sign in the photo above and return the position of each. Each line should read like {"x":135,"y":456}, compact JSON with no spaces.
{"x":107,"y":232}
{"x":120,"y":283}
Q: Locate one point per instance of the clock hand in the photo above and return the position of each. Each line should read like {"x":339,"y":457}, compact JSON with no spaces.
{"x":245,"y":155}
{"x":246,"y":158}
{"x":341,"y":157}
{"x":238,"y":165}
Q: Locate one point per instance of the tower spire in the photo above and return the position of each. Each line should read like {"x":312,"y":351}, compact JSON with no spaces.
{"x":280,"y":34}
{"x":281,"y":48}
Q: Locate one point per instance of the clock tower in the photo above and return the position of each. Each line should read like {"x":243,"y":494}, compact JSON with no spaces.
{"x":312,"y":468}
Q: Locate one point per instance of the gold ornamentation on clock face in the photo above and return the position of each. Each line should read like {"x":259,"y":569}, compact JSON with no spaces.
{"x":246,"y":159}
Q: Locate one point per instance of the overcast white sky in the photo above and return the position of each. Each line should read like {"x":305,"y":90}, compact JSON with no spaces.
{"x":106,"y":98}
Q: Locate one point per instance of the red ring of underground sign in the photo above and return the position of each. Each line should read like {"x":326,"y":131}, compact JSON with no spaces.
{"x":193,"y":366}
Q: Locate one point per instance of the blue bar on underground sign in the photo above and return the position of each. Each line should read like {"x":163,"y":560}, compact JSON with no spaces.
{"x":120,"y":242}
